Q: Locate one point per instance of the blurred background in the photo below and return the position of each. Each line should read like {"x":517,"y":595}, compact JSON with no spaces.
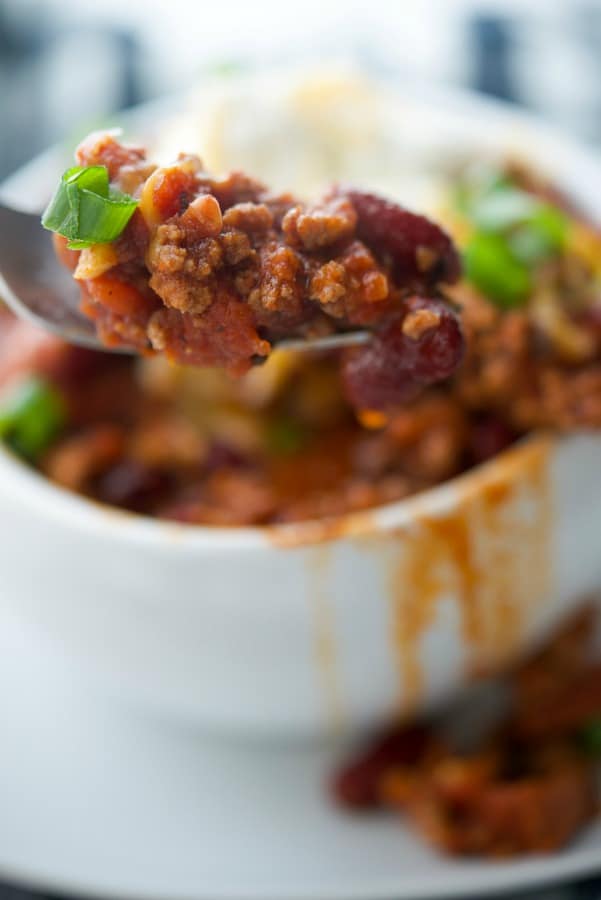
{"x":67,"y":67}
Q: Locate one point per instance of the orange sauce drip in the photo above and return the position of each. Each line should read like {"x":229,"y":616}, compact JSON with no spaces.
{"x":415,"y":586}
{"x":491,"y":553}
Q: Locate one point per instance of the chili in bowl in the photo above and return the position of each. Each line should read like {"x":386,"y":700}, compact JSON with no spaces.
{"x":254,"y":554}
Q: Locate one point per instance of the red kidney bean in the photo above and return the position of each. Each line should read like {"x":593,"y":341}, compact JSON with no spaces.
{"x":488,"y":437}
{"x":131,"y":485}
{"x":357,"y":785}
{"x":421,"y":253}
{"x":421,"y":347}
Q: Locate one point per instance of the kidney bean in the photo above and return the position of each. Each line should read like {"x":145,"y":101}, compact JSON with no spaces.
{"x":420,"y":252}
{"x":408,"y":353}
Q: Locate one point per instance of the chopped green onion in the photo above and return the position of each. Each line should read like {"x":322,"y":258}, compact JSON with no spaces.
{"x":494,"y":270}
{"x":502,"y":208}
{"x":92,"y":178}
{"x":528,"y":245}
{"x":31,"y":416}
{"x":541,"y":236}
{"x":514,"y":232}
{"x":552,"y":223}
{"x":86,"y":210}
{"x":590,"y":737}
{"x":285,"y":436}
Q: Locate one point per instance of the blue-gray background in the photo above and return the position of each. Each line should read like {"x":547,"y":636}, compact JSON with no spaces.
{"x":65,"y":66}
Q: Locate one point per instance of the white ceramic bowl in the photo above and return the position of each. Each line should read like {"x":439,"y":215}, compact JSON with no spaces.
{"x":302,"y":629}
{"x":297,"y":630}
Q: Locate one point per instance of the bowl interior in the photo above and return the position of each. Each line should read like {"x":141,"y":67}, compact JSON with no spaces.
{"x":428,"y":128}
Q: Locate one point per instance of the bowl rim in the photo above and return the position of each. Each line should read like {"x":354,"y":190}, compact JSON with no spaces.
{"x":85,"y":514}
{"x":82,"y":514}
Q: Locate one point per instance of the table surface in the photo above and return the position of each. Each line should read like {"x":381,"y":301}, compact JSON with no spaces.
{"x":585,"y":890}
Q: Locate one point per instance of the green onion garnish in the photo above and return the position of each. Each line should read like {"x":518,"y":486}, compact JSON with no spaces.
{"x":514,"y":232}
{"x":492,"y":268}
{"x":590,"y":738}
{"x":502,"y":208}
{"x":539,"y":236}
{"x":31,"y":416}
{"x":86,"y":210}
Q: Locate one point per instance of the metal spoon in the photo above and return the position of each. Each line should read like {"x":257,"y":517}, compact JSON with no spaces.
{"x":37,"y":287}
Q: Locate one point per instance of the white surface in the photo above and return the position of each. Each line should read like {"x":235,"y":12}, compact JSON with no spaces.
{"x":96,"y":800}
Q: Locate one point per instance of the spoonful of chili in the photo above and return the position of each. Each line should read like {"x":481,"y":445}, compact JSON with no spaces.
{"x":218,"y":271}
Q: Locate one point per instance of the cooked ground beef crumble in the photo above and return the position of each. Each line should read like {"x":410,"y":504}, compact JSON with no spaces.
{"x":213,"y":271}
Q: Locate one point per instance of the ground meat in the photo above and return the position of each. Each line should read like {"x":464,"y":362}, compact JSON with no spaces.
{"x":76,"y":461}
{"x":352,"y":287}
{"x":236,"y":187}
{"x":529,"y":789}
{"x":183,"y":276}
{"x":276,"y":295}
{"x":248,"y":217}
{"x":228,"y":497}
{"x":465,"y":811}
{"x":166,"y":442}
{"x":200,"y":249}
{"x":351,"y":496}
{"x":561,"y":711}
{"x":510,"y":371}
{"x":430,"y":437}
{"x":321,"y":226}
{"x":102,"y":149}
{"x":219,"y":338}
{"x":560,"y":686}
{"x":559,"y":397}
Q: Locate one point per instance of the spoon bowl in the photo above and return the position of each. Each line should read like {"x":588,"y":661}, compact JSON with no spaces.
{"x":35,"y":285}
{"x":38,"y":288}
